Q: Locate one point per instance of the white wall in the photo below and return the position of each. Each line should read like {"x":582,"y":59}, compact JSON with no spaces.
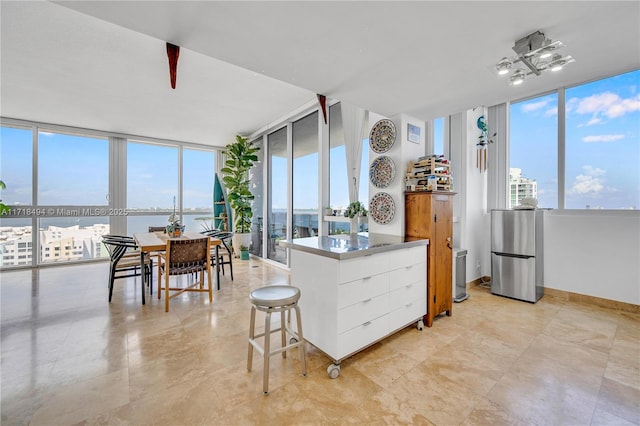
{"x":596,"y":253}
{"x":401,"y":153}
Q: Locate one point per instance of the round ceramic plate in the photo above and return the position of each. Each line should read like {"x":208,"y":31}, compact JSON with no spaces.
{"x":382,"y":208}
{"x":382,"y":171}
{"x":382,"y":136}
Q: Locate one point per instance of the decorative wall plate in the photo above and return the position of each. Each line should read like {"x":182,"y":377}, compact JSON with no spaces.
{"x":382,"y":136}
{"x":382,"y":208}
{"x":382,"y":171}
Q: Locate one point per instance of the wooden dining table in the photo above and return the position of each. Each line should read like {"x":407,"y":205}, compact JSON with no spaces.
{"x":157,"y":242}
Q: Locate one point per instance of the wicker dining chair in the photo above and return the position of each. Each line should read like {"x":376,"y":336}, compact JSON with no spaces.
{"x":185,"y":256}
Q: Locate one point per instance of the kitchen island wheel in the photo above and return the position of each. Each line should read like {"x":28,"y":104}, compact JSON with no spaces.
{"x":420,"y":325}
{"x":333,"y":370}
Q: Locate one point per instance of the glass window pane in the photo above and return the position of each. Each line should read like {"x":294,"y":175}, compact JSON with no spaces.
{"x":198,"y":171}
{"x":533,"y":150}
{"x":338,"y":185}
{"x":603,"y":144}
{"x":72,"y":170}
{"x":65,"y":239}
{"x":438,"y":136}
{"x":16,"y":242}
{"x":16,"y":148}
{"x":139,"y":224}
{"x":305,"y":176}
{"x":277,"y":220}
{"x":152,"y":177}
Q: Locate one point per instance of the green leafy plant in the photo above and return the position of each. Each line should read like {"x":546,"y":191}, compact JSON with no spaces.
{"x":240,"y":158}
{"x":356,"y":208}
{"x":4,"y":209}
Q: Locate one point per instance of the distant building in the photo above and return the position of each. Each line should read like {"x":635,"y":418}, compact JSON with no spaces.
{"x":520,"y":187}
{"x":57,"y":244}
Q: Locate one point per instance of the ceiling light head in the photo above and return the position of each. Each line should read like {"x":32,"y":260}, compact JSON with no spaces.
{"x":548,"y":48}
{"x":558,"y":61}
{"x":517,"y":77}
{"x":503,"y":66}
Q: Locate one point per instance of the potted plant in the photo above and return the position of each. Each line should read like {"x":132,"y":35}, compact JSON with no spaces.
{"x":240,"y":158}
{"x":354,"y":211}
{"x":244,"y":253}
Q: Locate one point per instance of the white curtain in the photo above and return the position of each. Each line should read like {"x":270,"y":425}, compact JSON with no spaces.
{"x":353,"y":121}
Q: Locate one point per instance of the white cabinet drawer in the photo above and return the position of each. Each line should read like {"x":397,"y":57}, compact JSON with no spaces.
{"x":362,"y":289}
{"x":362,"y":336}
{"x":410,"y":311}
{"x":401,"y":258}
{"x":362,"y":312}
{"x":408,"y":274}
{"x":362,"y":267}
{"x":405,"y":294}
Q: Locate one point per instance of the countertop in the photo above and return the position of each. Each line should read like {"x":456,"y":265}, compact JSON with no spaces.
{"x":345,"y":246}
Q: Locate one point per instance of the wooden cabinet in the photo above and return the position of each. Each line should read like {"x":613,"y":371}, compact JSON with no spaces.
{"x":430,"y":215}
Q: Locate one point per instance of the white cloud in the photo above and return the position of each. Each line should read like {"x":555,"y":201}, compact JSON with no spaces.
{"x":606,"y":104}
{"x":589,"y":182}
{"x":602,"y":138}
{"x":551,"y":112}
{"x":534,"y":106}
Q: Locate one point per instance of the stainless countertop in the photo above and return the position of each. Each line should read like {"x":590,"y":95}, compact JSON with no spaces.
{"x":345,"y":246}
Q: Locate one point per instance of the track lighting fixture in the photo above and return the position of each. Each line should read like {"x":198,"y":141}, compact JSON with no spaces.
{"x":537,"y":53}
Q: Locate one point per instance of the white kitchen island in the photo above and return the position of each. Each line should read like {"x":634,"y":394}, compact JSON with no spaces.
{"x":357,"y":289}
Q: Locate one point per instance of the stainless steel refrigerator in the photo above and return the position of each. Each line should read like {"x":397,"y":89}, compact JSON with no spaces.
{"x":517,"y":258}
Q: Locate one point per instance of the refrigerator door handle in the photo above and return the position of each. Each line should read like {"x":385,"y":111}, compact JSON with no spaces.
{"x":519,"y":256}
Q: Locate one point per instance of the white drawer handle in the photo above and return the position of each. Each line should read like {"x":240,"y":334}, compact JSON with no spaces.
{"x":366,"y":323}
{"x":366,"y":301}
{"x":366,"y":278}
{"x":409,"y":286}
{"x":409,"y":305}
{"x":410,"y":266}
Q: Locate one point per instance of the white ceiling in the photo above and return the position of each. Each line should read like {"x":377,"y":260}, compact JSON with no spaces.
{"x":243,"y":65}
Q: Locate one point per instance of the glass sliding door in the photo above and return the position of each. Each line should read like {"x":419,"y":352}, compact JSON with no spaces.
{"x":305,"y":176}
{"x":198,"y":171}
{"x":278,"y":184}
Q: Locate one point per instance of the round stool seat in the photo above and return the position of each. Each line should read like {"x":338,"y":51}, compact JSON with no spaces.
{"x":274,"y":296}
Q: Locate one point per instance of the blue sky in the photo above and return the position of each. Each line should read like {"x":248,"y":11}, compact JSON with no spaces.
{"x":602,"y":144}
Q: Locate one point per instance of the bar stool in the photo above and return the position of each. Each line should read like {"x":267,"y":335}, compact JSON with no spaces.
{"x":270,"y":299}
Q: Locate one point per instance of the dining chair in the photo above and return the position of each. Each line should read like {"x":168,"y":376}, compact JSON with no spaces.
{"x":185,"y":256}
{"x":223,"y":258}
{"x":125,"y":259}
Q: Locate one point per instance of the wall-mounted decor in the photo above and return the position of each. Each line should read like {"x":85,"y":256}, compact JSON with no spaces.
{"x":382,"y":171}
{"x":382,"y":208}
{"x":413,"y":133}
{"x":382,"y":136}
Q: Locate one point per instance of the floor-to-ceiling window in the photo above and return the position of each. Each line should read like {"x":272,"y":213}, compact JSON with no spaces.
{"x":16,"y":237}
{"x":198,"y":174}
{"x":59,"y":192}
{"x":152,"y":185}
{"x":305,"y":176}
{"x":277,"y":197}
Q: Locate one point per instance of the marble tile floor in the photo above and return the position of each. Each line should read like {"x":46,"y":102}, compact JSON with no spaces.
{"x":71,"y":358}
